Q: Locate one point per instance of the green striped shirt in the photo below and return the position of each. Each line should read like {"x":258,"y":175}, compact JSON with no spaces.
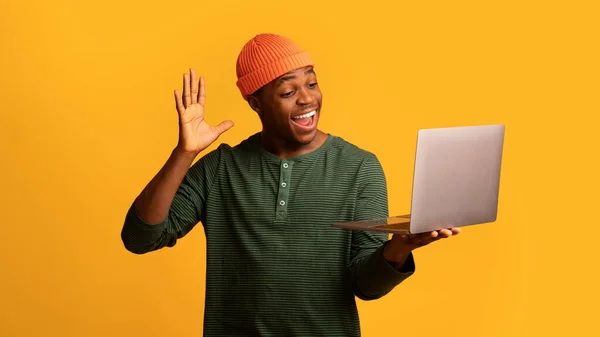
{"x":275,"y":265}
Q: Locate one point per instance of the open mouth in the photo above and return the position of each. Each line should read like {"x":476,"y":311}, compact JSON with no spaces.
{"x":304,"y":120}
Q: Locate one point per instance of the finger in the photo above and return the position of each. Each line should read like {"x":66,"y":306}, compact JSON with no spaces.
{"x":405,"y":239}
{"x":433,"y":236}
{"x":422,"y":239}
{"x":202,"y":94}
{"x":456,"y":231}
{"x":194,"y":86}
{"x":400,"y":238}
{"x":179,"y":103}
{"x":445,"y":233}
{"x":424,"y":235}
{"x":186,"y":90}
{"x":223,"y":126}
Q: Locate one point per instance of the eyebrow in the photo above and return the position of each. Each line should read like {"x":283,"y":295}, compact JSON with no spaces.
{"x":292,"y":77}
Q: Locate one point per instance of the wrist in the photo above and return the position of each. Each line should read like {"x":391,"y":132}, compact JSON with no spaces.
{"x":395,"y":253}
{"x":185,"y":154}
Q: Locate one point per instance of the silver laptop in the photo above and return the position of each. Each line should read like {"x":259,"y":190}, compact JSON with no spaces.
{"x":455,"y":183}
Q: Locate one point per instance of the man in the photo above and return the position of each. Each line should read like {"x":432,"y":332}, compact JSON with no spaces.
{"x":275,"y":266}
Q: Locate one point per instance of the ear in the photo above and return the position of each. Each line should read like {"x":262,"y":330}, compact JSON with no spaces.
{"x":255,"y":104}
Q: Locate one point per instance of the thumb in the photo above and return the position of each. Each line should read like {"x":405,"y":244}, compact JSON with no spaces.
{"x":223,"y":126}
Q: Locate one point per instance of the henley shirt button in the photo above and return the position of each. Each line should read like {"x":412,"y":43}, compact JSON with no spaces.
{"x":285,"y":165}
{"x":282,"y":202}
{"x":283,"y":184}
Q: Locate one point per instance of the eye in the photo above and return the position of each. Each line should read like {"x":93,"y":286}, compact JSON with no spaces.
{"x":287,"y":94}
{"x":312,"y":85}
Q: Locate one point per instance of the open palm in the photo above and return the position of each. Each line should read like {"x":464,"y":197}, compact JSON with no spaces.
{"x":195,"y":134}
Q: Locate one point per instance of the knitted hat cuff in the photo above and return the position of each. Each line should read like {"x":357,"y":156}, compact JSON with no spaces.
{"x":258,"y":78}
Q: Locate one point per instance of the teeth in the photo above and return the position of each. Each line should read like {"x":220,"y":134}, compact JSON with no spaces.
{"x":310,"y":114}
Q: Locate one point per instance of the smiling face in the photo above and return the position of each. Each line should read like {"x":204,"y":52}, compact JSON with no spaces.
{"x":289,"y":107}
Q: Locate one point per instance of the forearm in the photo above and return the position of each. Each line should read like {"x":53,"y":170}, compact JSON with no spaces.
{"x":171,"y":204}
{"x":374,"y":276}
{"x":154,"y":202}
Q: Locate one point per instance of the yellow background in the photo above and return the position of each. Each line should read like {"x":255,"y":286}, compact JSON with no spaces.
{"x":87,"y":118}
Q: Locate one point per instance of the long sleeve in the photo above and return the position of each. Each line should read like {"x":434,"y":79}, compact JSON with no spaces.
{"x":372,"y":276}
{"x":186,"y":210}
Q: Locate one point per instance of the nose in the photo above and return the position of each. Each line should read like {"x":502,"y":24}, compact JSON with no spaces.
{"x":305,"y":97}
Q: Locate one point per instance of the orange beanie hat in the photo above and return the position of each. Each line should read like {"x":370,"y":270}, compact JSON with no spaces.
{"x":266,"y":57}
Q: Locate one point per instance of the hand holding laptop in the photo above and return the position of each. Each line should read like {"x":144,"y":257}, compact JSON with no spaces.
{"x":402,"y":244}
{"x":455,"y":184}
{"x":414,"y":241}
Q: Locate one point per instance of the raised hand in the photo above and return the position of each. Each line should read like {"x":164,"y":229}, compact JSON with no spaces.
{"x":195,"y":134}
